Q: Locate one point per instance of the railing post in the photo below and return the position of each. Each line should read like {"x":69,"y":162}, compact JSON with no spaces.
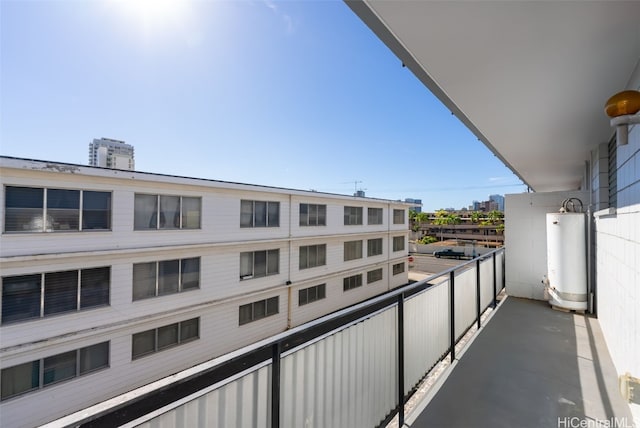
{"x":401,"y":360}
{"x":478,"y":293}
{"x":452,"y":315}
{"x":495,"y":283}
{"x":275,"y":385}
{"x":504,"y":276}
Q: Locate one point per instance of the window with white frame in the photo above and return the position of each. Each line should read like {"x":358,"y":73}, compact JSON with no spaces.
{"x":352,"y":216}
{"x":374,"y":247}
{"x":374,"y":216}
{"x":351,"y":282}
{"x":398,"y":243}
{"x":398,"y":216}
{"x":313,"y":255}
{"x":257,"y":310}
{"x":153,"y":212}
{"x":152,"y":279}
{"x":313,"y":215}
{"x":398,"y":268}
{"x":256,"y":264}
{"x":374,"y":275}
{"x":25,"y":297}
{"x":37,"y":209}
{"x":352,"y":250}
{"x":47,"y":371}
{"x":259,"y":214}
{"x":312,"y":294}
{"x":158,"y":339}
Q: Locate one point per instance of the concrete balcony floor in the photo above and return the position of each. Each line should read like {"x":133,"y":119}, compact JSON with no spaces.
{"x":530,"y":366}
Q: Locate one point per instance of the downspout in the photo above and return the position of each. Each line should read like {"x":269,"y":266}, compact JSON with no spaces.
{"x":389,"y":244}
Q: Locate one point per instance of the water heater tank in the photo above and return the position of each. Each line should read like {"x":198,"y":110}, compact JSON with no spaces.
{"x":567,"y":260}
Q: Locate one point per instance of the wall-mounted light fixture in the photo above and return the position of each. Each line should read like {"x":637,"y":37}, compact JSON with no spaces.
{"x":623,"y":110}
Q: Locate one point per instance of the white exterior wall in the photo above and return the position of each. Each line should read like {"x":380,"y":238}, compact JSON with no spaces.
{"x":618,"y":265}
{"x":218,"y":243}
{"x":525,"y":239}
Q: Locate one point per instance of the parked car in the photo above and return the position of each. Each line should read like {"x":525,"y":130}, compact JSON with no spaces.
{"x":449,"y":253}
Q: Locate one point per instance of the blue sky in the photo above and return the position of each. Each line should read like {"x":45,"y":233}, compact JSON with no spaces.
{"x":297,"y":94}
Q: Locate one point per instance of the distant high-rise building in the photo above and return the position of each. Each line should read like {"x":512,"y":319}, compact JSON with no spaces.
{"x":499,"y":200}
{"x":418,"y":204}
{"x":114,"y":154}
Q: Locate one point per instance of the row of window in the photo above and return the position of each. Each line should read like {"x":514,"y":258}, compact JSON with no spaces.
{"x":30,"y":209}
{"x":47,"y":371}
{"x":37,"y":374}
{"x":51,"y":370}
{"x":39,"y":295}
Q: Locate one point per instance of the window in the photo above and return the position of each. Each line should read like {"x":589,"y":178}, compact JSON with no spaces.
{"x":351,"y":282}
{"x":375,"y":216}
{"x":152,"y":212}
{"x":259,"y":214}
{"x":398,"y":216}
{"x":313,"y":255}
{"x":398,"y":268}
{"x":352,"y":216}
{"x":154,"y":279}
{"x":64,"y":210}
{"x":374,"y":247}
{"x":50,"y":370}
{"x":256,"y":264}
{"x":313,"y":215}
{"x":34,"y":296}
{"x":352,"y":250}
{"x":374,"y":275}
{"x":312,"y":294}
{"x":158,"y":339}
{"x":398,"y":243}
{"x":258,"y":310}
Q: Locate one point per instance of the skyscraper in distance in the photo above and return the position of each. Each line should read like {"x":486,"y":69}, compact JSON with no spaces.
{"x":109,"y":153}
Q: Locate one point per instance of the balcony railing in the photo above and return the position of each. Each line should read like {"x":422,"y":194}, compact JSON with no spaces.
{"x":356,"y":367}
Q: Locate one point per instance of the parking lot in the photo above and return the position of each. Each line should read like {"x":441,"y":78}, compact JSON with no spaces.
{"x":427,"y":264}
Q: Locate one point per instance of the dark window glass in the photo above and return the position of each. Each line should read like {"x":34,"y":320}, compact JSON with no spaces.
{"x":190,"y":273}
{"x":169,"y":212}
{"x":144,"y":280}
{"x":60,"y":292}
{"x":21,"y":378}
{"x":94,"y":357}
{"x":23,"y":209}
{"x":259,"y":263}
{"x":63,"y":208}
{"x":191,"y":208}
{"x":21,"y":297}
{"x":168,"y":276}
{"x":274,"y":214}
{"x":246,"y":213}
{"x":260,"y":214}
{"x":59,"y":367}
{"x":96,"y":210}
{"x":246,"y":312}
{"x":145,"y":212}
{"x":272,"y":306}
{"x":94,"y":287}
{"x":143,"y":343}
{"x":189,"y":330}
{"x":167,"y":336}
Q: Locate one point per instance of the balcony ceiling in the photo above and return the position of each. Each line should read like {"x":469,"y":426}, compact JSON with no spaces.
{"x":529,"y":78}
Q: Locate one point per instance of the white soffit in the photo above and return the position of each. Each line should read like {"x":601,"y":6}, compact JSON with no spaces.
{"x":529,"y":78}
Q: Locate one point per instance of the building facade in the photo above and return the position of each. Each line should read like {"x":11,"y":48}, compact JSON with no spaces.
{"x":108,"y":153}
{"x":112,"y":282}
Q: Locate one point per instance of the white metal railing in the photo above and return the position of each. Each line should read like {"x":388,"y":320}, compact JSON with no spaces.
{"x":356,"y":373}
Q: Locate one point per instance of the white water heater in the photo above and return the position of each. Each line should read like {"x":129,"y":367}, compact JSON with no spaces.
{"x":567,"y":260}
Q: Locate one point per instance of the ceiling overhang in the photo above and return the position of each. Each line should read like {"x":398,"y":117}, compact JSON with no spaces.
{"x":528,"y":78}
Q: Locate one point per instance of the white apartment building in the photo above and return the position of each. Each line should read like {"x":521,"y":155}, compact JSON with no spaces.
{"x":112,"y":281}
{"x":109,"y":153}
